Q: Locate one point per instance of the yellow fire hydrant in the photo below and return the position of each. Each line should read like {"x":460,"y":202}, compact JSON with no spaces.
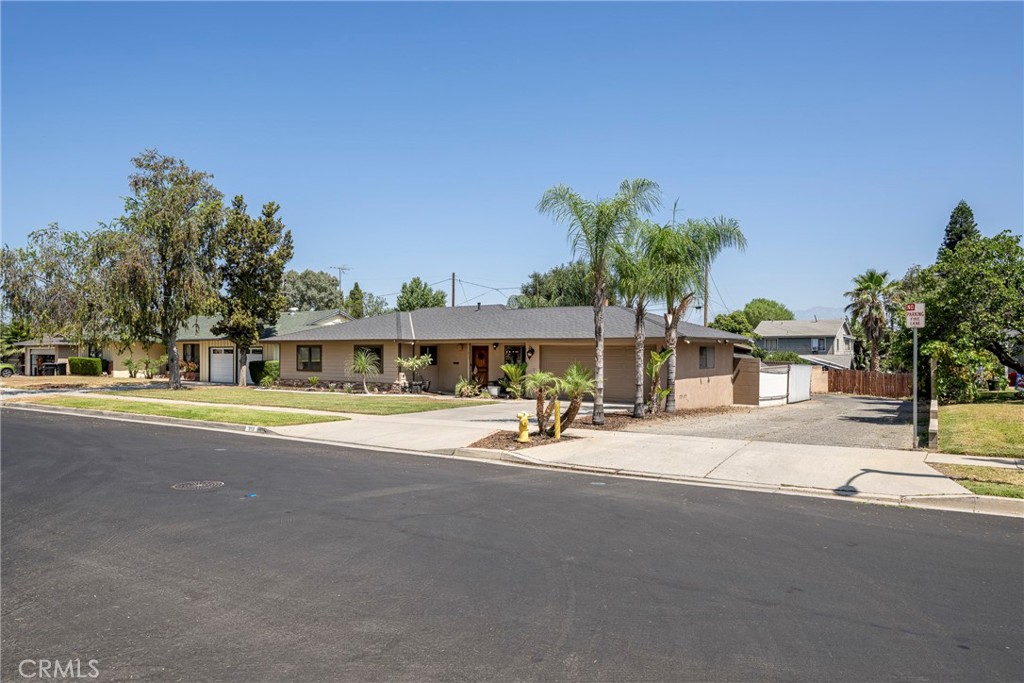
{"x":524,"y":425}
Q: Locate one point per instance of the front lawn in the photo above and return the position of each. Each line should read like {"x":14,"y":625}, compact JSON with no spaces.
{"x":73,"y":382}
{"x":993,"y":427}
{"x":986,"y":481}
{"x":261,"y":418}
{"x":340,"y":403}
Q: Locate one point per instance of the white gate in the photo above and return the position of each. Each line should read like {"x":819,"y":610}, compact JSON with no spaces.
{"x":222,"y":365}
{"x":799,"y":383}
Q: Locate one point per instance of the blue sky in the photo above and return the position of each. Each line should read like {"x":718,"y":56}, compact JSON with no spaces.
{"x":416,"y":139}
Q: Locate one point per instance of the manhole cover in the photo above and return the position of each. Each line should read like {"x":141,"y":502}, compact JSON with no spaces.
{"x":197,"y":485}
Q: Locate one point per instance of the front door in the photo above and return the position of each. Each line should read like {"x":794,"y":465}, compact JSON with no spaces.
{"x":480,"y":365}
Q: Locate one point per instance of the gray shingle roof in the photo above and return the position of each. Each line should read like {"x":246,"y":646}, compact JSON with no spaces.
{"x":841,"y":361}
{"x":799,"y":328}
{"x":45,"y":341}
{"x":494,"y":323}
{"x":198,"y":328}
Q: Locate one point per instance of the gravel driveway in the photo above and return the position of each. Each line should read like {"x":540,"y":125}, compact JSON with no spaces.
{"x":828,"y":420}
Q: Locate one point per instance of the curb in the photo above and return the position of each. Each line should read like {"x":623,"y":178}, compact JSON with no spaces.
{"x":136,"y":417}
{"x":985,"y":505}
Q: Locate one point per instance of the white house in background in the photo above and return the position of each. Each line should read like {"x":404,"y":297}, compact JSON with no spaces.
{"x":823,"y":342}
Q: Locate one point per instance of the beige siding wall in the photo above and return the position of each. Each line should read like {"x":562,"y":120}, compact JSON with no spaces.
{"x":819,"y":380}
{"x":336,"y":358}
{"x":746,"y":375}
{"x":60,"y":353}
{"x":619,"y":366}
{"x":136,"y":351}
{"x":703,"y":388}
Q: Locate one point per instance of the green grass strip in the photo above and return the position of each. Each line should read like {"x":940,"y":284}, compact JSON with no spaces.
{"x":995,"y":429}
{"x":334,"y":402}
{"x":260,"y":418}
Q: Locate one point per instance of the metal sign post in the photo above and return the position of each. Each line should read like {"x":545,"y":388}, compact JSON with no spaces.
{"x":915,"y":319}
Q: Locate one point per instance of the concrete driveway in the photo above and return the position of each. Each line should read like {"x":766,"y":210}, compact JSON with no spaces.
{"x":826,"y":420}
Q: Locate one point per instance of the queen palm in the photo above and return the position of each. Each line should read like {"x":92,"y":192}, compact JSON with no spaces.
{"x":680,"y":254}
{"x":871,"y":305}
{"x":595,"y":227}
{"x":636,"y":282}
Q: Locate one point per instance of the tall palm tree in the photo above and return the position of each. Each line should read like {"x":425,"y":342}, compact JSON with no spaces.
{"x":636,"y":283}
{"x":595,"y":226}
{"x":871,"y":304}
{"x":681,"y":253}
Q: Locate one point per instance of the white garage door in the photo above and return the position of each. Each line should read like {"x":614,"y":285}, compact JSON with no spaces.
{"x":222,"y":365}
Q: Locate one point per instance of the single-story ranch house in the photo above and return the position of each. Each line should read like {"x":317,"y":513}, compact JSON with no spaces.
{"x":474,"y":341}
{"x":215,"y":356}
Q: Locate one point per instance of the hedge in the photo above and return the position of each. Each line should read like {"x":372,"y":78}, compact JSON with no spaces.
{"x":77,"y":365}
{"x":261,"y":368}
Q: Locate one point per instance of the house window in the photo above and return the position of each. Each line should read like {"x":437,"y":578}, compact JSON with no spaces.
{"x":432,"y":350}
{"x":377,"y":350}
{"x":771,"y":344}
{"x":309,"y":358}
{"x":515,"y":354}
{"x":822,"y":346}
{"x":707,"y":357}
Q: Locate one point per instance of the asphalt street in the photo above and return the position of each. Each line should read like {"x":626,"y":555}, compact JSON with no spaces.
{"x":314,"y":563}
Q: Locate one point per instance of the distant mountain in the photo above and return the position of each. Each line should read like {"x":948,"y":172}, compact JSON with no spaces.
{"x":822,"y":313}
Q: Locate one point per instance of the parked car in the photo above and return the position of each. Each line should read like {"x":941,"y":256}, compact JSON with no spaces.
{"x":6,"y":369}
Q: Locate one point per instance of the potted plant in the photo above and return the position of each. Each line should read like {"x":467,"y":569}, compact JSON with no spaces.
{"x":190,"y":371}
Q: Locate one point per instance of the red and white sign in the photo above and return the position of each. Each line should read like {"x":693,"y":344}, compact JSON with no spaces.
{"x":915,"y":315}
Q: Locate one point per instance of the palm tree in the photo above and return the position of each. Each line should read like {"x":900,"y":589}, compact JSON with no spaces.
{"x":595,"y":226}
{"x":541,"y":383}
{"x":365,"y":362}
{"x":636,"y":282}
{"x":576,"y":383}
{"x":871,"y":305}
{"x":681,"y":253}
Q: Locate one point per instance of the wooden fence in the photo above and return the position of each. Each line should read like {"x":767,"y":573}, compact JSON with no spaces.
{"x":866,"y":383}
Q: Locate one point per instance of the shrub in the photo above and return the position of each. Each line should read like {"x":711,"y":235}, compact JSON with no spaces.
{"x":132,"y":366}
{"x":467,"y":388}
{"x":78,"y":365}
{"x":513,"y":379}
{"x":154,"y":366}
{"x":314,"y":381}
{"x":786,"y":357}
{"x":265,"y":368}
{"x":267,"y":381}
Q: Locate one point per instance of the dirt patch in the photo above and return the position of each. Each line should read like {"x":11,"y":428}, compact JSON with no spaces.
{"x":506,"y":441}
{"x":623,"y":420}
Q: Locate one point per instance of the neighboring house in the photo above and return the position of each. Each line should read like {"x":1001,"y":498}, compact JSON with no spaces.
{"x":48,"y":350}
{"x":823,"y":342}
{"x":474,"y":341}
{"x":215,"y":356}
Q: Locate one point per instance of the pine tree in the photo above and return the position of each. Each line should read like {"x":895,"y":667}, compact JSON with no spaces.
{"x":354,"y":303}
{"x":961,"y":226}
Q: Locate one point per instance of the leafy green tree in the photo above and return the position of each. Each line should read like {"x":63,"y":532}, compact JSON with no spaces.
{"x":374,"y":305}
{"x":735,"y":322}
{"x":417,"y":294}
{"x":10,"y":334}
{"x":254,"y":253}
{"x":55,"y":285}
{"x":679,"y":255}
{"x":354,"y":304}
{"x":595,"y":226}
{"x":872,"y":304}
{"x":161,"y":256}
{"x":975,"y":297}
{"x":569,"y":284}
{"x":760,"y":309}
{"x":365,"y":362}
{"x":961,"y":226}
{"x":312,"y":290}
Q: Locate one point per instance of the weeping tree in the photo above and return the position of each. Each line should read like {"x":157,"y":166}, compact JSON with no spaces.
{"x":160,"y":258}
{"x":680,"y":254}
{"x":595,"y":227}
{"x":254,"y":252}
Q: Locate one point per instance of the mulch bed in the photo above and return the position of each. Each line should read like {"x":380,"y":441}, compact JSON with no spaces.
{"x":622,"y":420}
{"x":506,"y":441}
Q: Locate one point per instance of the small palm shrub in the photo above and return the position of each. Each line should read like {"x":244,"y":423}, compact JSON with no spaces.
{"x":513,"y":379}
{"x":314,"y":382}
{"x":654,"y":365}
{"x":365,"y":362}
{"x":541,"y":384}
{"x":576,"y":383}
{"x":132,"y":366}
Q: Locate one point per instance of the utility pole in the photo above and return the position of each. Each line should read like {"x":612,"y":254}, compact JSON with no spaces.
{"x":453,"y":290}
{"x":707,"y":271}
{"x":341,"y":269}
